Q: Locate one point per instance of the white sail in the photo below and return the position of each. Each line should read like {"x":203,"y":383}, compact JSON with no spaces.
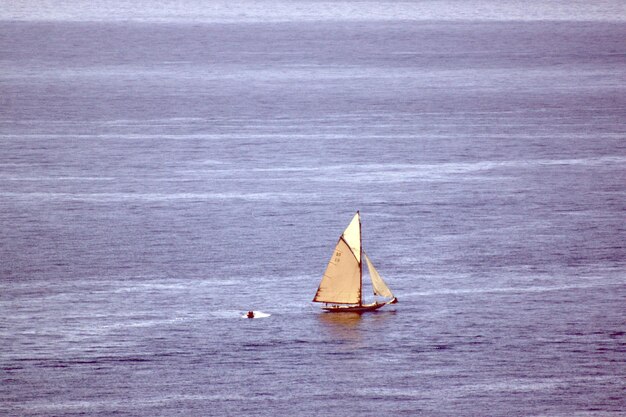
{"x":342,"y":280}
{"x":352,"y":236}
{"x":341,"y":283}
{"x":380,"y":287}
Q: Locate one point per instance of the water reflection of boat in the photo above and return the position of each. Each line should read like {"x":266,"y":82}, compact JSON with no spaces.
{"x":345,"y":320}
{"x":354,"y":327}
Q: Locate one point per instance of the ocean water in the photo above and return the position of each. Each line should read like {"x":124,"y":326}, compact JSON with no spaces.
{"x":166,"y":167}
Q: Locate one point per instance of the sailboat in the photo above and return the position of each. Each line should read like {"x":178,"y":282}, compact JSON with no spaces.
{"x":342,"y":284}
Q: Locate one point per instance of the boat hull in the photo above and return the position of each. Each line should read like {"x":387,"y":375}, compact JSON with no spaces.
{"x":354,"y":309}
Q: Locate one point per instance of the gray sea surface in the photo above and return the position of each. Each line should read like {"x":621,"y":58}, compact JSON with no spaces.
{"x":167,"y":166}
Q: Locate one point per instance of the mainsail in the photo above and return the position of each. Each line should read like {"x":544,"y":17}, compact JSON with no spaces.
{"x":380,"y":287}
{"x":341,"y":283}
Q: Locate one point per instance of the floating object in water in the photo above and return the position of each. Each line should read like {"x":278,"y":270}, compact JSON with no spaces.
{"x":342,"y":284}
{"x":255,"y":315}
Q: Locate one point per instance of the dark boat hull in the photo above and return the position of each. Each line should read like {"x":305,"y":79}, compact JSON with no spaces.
{"x":354,"y":309}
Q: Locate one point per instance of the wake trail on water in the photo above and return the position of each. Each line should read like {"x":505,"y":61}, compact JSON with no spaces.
{"x":257,"y":315}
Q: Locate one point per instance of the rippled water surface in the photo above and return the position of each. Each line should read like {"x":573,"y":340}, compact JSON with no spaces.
{"x":162,"y":174}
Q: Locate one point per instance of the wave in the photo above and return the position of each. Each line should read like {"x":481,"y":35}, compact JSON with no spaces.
{"x":248,"y":11}
{"x":389,"y":173}
{"x":109,"y":197}
{"x":533,"y":289}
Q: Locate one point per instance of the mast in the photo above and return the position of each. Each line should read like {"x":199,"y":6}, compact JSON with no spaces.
{"x":360,"y":261}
